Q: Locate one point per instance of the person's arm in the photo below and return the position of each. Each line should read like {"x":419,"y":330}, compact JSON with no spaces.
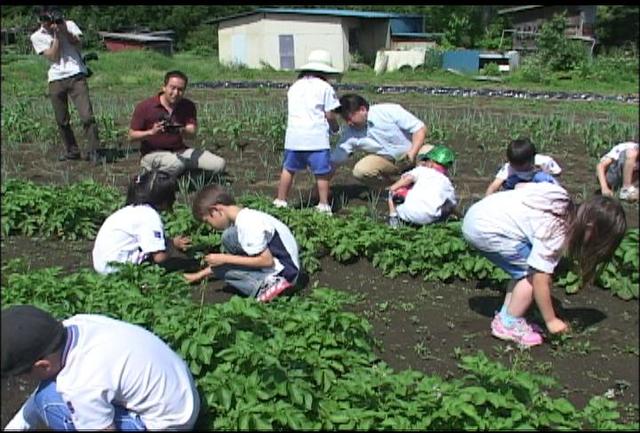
{"x":417,"y":141}
{"x":194,"y":277}
{"x":262,"y":260}
{"x":72,"y":36}
{"x":332,"y":119}
{"x":27,"y":417}
{"x":541,"y":282}
{"x":494,"y":186}
{"x":136,"y":135}
{"x":405,"y":180}
{"x":601,"y":170}
{"x":188,"y":131}
{"x":53,"y":52}
{"x":159,"y":256}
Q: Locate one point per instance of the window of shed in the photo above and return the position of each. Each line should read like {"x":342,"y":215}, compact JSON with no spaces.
{"x":287,"y":57}
{"x":354,"y":45}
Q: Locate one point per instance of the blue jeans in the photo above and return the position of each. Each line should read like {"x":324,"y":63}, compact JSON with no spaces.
{"x":244,"y":279}
{"x":55,"y":413}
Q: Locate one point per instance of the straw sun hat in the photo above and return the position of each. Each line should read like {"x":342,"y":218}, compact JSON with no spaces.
{"x":319,"y":61}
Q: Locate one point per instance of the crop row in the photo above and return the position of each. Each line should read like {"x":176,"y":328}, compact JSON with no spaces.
{"x":229,"y":124}
{"x":302,"y":362}
{"x":433,"y":252}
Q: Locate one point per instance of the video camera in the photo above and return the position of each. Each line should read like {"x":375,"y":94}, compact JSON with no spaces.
{"x":52,"y":15}
{"x":169,"y":126}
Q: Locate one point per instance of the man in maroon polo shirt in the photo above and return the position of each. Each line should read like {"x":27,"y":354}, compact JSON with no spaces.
{"x":162,"y":122}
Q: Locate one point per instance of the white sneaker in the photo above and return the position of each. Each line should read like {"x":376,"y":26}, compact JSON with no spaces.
{"x":629,"y":194}
{"x":324,"y":208}
{"x":280,"y":203}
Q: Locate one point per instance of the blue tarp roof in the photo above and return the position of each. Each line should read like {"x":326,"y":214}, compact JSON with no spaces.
{"x":318,"y":11}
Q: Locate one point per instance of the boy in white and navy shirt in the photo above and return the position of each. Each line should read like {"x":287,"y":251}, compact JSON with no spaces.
{"x":618,"y":169}
{"x":260,"y":257}
{"x":525,"y":165}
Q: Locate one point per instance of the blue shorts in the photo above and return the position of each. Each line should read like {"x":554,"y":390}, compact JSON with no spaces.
{"x":513,"y":260}
{"x":318,"y":160}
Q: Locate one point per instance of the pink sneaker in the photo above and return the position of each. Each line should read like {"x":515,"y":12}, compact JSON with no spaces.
{"x":273,"y":286}
{"x":521,"y":332}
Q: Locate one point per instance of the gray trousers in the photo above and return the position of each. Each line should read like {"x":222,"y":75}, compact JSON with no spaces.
{"x":75,"y":88}
{"x":177,"y":162}
{"x":614,"y":171}
{"x":246,"y":280}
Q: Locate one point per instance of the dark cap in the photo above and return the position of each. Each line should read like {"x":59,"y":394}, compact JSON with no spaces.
{"x":28,"y":334}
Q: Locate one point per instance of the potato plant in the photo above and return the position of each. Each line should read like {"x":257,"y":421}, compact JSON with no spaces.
{"x":435,"y":252}
{"x":302,"y":362}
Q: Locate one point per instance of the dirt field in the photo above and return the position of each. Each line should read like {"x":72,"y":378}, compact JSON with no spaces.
{"x":422,"y":326}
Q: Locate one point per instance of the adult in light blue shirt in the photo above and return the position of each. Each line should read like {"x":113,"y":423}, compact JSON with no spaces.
{"x":391,"y":136}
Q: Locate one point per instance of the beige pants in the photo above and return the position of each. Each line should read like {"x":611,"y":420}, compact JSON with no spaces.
{"x":378,"y":171}
{"x":177,"y":162}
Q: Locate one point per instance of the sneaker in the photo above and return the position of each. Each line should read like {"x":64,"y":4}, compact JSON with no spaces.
{"x":394,"y":221}
{"x":95,"y":158}
{"x":629,"y":194}
{"x":521,"y":332}
{"x":280,"y":203}
{"x":324,"y":208}
{"x":69,"y":157}
{"x":272,"y":287}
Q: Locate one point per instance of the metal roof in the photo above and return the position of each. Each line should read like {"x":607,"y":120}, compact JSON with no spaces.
{"x":318,"y":11}
{"x":134,"y":37}
{"x":518,"y":9}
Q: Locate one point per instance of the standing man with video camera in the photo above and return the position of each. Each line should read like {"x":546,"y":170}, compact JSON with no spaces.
{"x":58,"y":40}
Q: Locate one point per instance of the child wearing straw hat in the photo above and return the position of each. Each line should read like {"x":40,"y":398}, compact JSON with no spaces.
{"x":310,"y":104}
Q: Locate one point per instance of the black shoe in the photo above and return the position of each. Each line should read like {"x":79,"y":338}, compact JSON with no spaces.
{"x":69,"y":157}
{"x":94,"y":158}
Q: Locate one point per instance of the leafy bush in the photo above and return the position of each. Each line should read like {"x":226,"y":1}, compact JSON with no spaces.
{"x":555,"y":50}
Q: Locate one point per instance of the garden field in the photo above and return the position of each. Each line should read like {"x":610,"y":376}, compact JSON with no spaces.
{"x":390,"y":329}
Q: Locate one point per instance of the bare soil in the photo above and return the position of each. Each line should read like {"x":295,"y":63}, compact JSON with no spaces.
{"x":419,"y":325}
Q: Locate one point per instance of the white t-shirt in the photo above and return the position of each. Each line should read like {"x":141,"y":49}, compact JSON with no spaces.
{"x":307,"y":101}
{"x":258,"y":231}
{"x":388,"y":133}
{"x":70,"y":62}
{"x":523,"y":215}
{"x":615,"y":152}
{"x":542,"y":162}
{"x":107,"y":362}
{"x":128,"y":235}
{"x":429,"y":192}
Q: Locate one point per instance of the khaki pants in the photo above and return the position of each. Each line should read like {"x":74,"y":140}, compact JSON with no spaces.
{"x":379,"y":171}
{"x":75,"y":88}
{"x":177,"y":162}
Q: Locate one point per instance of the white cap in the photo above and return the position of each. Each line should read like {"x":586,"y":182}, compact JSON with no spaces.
{"x":319,"y":61}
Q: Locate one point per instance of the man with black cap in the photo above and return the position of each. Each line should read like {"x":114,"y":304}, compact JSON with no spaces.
{"x":96,"y":373}
{"x":58,"y":40}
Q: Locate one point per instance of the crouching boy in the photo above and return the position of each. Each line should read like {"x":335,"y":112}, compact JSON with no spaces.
{"x":260,"y":255}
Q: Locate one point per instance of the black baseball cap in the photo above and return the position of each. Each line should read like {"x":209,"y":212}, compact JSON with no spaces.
{"x":28,"y":334}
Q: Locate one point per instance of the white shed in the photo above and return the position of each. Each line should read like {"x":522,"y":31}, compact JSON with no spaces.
{"x":283,"y":38}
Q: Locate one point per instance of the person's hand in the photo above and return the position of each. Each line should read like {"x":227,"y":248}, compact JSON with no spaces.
{"x":405,"y":159}
{"x":607,"y":192}
{"x":192,"y":277}
{"x":157,"y":128}
{"x":557,"y":326}
{"x":182,"y":242}
{"x":214,"y":259}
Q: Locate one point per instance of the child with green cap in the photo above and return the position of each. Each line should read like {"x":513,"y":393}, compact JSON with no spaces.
{"x":431,"y":196}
